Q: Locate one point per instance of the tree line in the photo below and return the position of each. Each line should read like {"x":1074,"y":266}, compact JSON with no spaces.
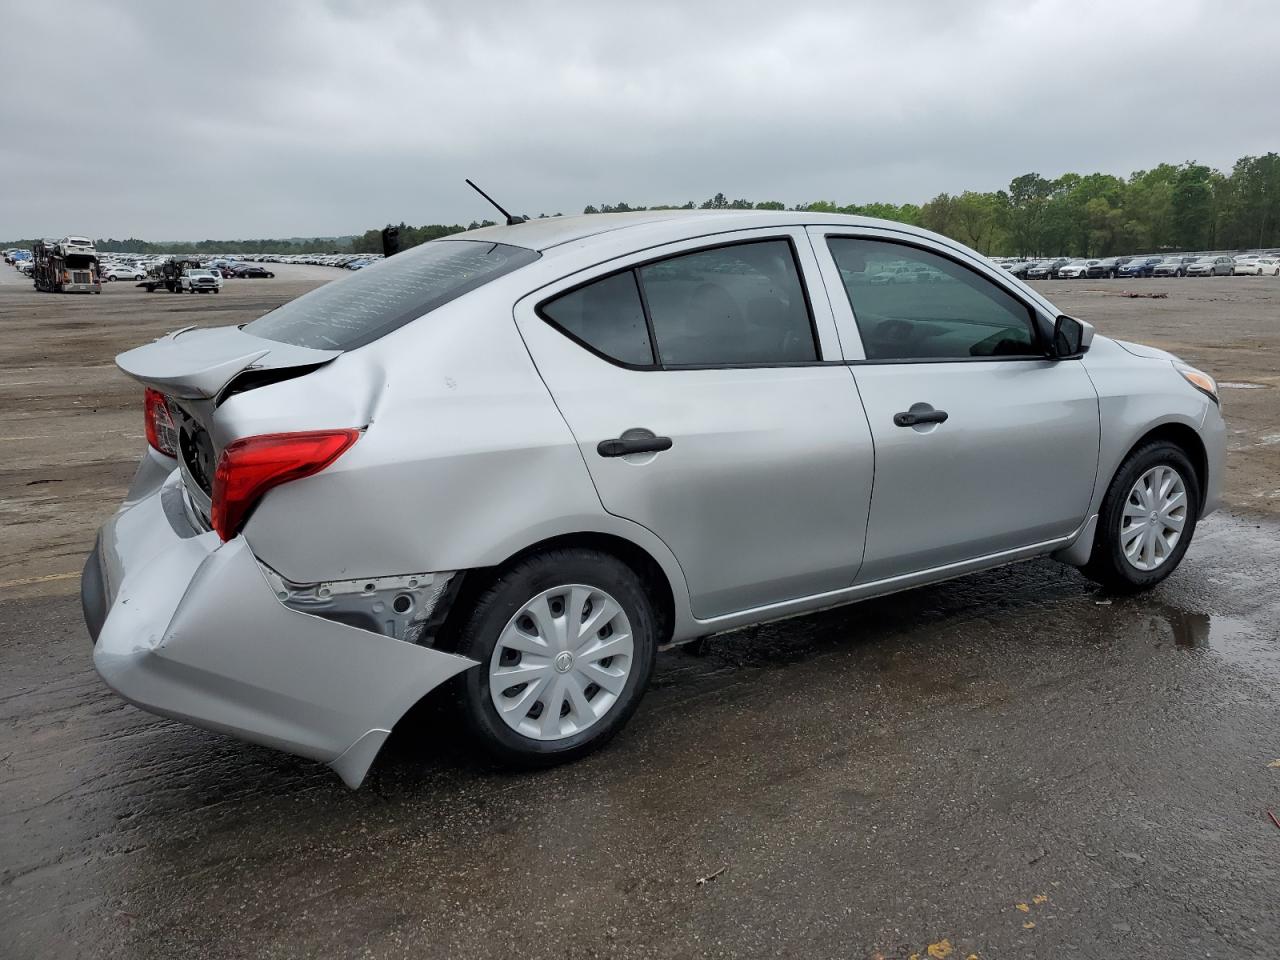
{"x":1187,"y":206}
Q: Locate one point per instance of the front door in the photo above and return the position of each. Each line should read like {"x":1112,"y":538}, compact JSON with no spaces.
{"x":695,"y":384}
{"x":982,"y":445}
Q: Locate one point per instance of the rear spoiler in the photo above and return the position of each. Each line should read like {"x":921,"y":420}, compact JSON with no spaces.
{"x":198,"y":362}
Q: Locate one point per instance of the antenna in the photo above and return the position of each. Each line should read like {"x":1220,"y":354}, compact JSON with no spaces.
{"x":511,"y":221}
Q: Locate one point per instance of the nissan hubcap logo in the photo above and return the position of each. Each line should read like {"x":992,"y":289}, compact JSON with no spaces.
{"x":564,"y":661}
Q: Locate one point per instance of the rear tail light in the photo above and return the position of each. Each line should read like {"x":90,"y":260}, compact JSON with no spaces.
{"x":161,"y":433}
{"x":253,"y":465}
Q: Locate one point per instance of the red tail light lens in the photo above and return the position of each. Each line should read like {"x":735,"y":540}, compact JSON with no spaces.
{"x":161,"y":433}
{"x":253,"y":465}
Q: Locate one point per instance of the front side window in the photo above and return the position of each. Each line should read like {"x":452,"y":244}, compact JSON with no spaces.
{"x":911,"y":304}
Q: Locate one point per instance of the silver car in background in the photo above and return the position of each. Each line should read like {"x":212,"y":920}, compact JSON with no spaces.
{"x":1211,"y":267}
{"x":518,"y":461}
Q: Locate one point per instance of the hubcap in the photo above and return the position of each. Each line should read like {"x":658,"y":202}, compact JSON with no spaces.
{"x":561,"y":662}
{"x":1155,"y":514}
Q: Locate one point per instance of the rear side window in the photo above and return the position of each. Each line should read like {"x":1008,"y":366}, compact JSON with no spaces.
{"x":606,"y":316}
{"x":736,"y":305}
{"x":368,"y":304}
{"x":741,"y":304}
{"x":911,"y":304}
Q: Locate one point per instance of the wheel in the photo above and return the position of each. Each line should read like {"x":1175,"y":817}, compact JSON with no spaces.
{"x":566,"y":642}
{"x":111,"y":279}
{"x":1147,"y":519}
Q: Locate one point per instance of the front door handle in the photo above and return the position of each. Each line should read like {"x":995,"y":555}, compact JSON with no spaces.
{"x":913,"y":418}
{"x":621,"y":446}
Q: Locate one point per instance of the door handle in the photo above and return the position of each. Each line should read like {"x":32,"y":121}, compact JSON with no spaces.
{"x":621,"y":446}
{"x":912,"y":418}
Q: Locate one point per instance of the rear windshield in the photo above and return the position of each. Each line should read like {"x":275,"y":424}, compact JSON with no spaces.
{"x":362,"y":307}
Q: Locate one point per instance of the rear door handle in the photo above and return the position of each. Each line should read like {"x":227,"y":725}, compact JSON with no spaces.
{"x":620,"y":447}
{"x":910,"y":419}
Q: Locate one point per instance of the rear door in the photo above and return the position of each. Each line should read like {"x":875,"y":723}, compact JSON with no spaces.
{"x":707,"y":393}
{"x":983,"y":446}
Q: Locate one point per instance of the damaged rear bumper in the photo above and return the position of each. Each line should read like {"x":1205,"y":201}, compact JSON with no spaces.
{"x":188,"y":627}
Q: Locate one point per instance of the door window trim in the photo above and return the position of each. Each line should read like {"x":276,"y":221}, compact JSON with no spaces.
{"x":634,"y":270}
{"x":1034,"y":314}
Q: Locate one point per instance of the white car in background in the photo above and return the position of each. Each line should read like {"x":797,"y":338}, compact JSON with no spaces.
{"x":1247,"y":266}
{"x":1269,"y":266}
{"x":200,"y":281}
{"x":1076,"y":270}
{"x":119,"y":272}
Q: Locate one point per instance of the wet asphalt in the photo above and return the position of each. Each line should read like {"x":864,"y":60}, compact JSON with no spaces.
{"x":1008,"y":765}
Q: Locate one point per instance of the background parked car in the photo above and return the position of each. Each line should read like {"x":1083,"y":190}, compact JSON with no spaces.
{"x":252,"y":271}
{"x":1075,"y":270}
{"x":121,"y":272}
{"x":1046,"y":269}
{"x":1270,"y":266}
{"x":1107,"y":267}
{"x":1172,"y":267}
{"x":1211,"y":266}
{"x":1245,"y":266}
{"x":1139,"y":267}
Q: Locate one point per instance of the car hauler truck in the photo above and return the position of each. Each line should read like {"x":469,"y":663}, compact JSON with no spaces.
{"x":69,"y":265}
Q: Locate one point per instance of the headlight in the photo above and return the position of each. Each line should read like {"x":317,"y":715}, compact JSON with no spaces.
{"x":1200,"y":380}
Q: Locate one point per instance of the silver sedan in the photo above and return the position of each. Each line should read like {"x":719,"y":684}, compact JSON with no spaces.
{"x":520,"y":460}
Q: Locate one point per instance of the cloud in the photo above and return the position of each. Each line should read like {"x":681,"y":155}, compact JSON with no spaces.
{"x":302,"y":118}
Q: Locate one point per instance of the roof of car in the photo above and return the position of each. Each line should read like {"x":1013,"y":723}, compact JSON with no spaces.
{"x":547,"y":232}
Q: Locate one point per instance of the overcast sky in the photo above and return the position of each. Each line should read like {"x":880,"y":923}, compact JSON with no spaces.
{"x":172,"y":121}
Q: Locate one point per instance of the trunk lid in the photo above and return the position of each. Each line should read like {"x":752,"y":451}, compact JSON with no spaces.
{"x":198,"y":362}
{"x":196,"y":368}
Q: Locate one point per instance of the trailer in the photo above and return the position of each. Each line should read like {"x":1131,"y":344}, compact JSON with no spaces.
{"x":69,"y":265}
{"x":167,"y":275}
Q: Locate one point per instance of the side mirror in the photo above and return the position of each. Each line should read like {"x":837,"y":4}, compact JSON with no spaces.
{"x":1071,"y":338}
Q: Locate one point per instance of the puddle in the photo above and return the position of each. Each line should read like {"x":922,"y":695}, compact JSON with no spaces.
{"x":1233,"y":638}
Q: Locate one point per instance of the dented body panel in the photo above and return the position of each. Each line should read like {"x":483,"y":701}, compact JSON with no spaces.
{"x":193,"y":631}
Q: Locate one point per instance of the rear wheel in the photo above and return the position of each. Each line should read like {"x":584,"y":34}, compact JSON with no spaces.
{"x":1147,"y":519}
{"x":566,"y":642}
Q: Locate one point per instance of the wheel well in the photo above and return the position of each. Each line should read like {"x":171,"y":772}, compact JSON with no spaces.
{"x":470,"y":583}
{"x":1180,"y":435}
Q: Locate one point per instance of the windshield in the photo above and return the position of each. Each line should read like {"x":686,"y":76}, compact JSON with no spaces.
{"x":368,"y":304}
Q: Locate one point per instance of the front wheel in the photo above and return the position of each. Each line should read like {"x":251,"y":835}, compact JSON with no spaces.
{"x":566,"y":641}
{"x":1147,"y":519}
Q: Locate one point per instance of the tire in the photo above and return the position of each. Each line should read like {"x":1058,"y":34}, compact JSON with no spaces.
{"x":111,"y":279}
{"x":1108,"y":564}
{"x":495,"y":621}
